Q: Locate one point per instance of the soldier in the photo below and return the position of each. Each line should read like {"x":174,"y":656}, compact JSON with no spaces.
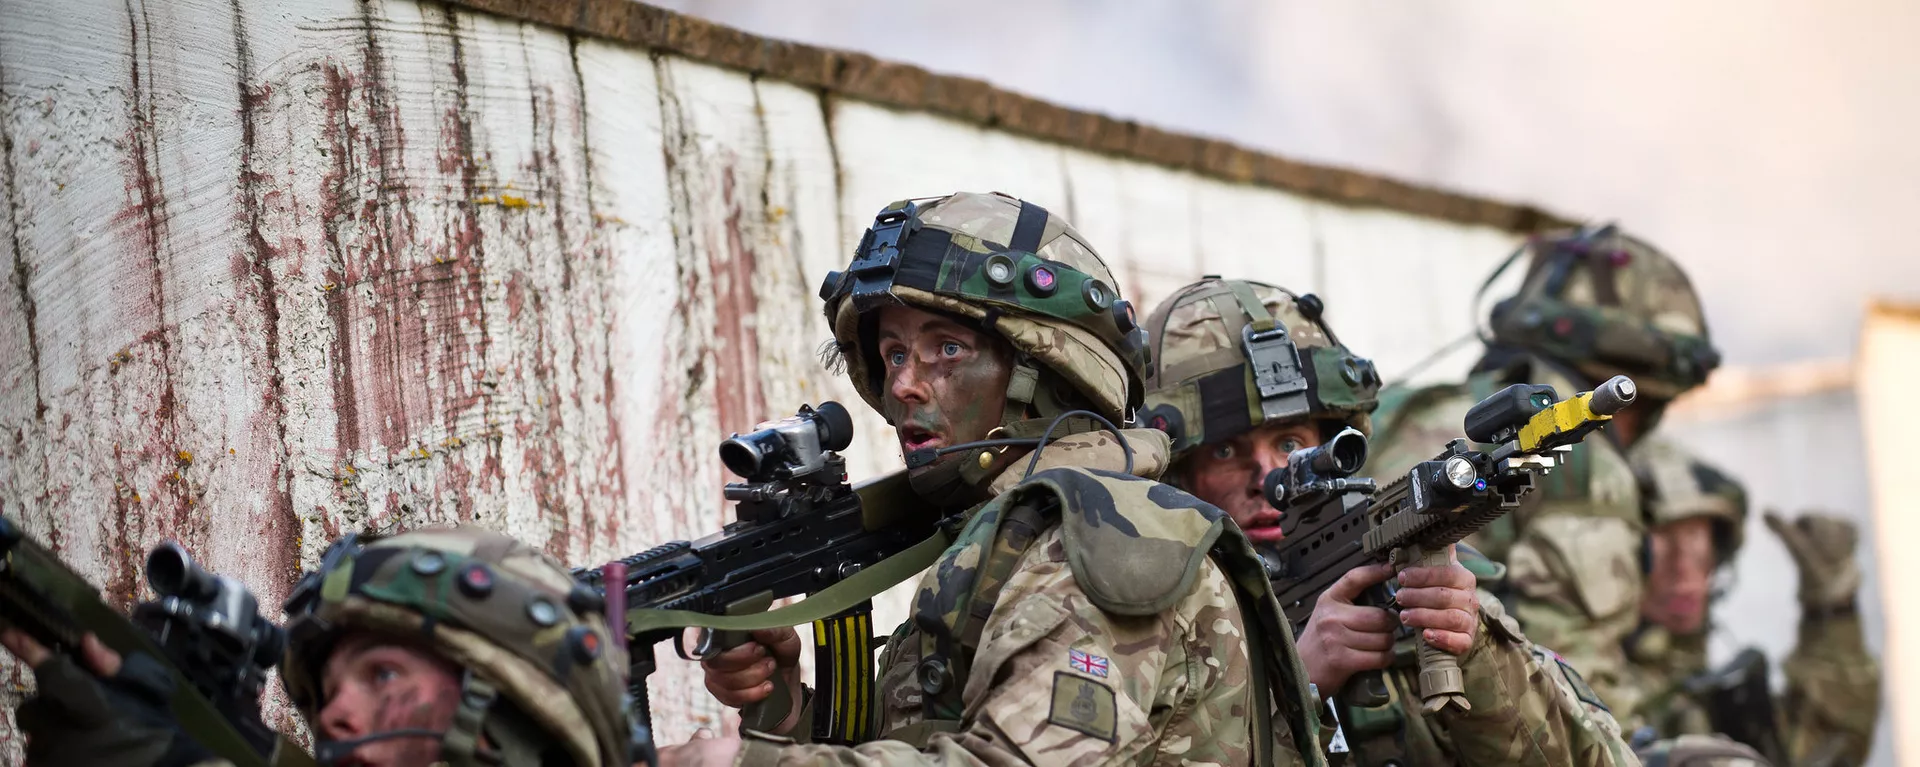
{"x":1079,"y":617}
{"x":1595,"y":303}
{"x":454,"y":646}
{"x":1227,"y":438}
{"x":1698,"y":515}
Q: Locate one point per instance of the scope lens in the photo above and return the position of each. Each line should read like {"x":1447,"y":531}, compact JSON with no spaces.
{"x":742,"y":456}
{"x":1460,"y":472}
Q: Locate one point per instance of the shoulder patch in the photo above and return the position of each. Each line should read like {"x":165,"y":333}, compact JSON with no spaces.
{"x":1083,"y":705}
{"x":1578,"y":683}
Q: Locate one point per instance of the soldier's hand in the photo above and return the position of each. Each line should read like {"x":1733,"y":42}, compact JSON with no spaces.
{"x":1342,"y":638}
{"x":744,"y":675}
{"x":1822,"y":547}
{"x":99,"y":659}
{"x":102,"y":709}
{"x":1440,"y":602}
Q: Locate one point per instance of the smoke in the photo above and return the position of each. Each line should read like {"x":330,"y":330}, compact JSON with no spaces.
{"x":1767,"y":146}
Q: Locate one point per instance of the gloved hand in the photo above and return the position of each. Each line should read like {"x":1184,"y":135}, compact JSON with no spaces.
{"x":115,"y":712}
{"x":1822,"y":546}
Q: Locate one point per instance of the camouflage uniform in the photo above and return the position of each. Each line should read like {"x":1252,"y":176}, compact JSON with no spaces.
{"x":1832,"y":697}
{"x":1527,"y":704}
{"x":1082,"y":616}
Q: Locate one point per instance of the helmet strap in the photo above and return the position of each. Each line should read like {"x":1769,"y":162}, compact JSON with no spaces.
{"x":460,"y":747}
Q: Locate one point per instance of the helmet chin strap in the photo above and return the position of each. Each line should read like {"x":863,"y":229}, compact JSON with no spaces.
{"x":460,"y":744}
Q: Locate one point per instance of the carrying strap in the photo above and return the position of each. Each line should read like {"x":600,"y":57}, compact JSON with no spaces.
{"x":955,"y":636}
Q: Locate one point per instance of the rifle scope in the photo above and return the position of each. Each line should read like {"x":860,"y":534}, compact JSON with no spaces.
{"x":172,"y":573}
{"x":1336,"y":458}
{"x":790,"y":447}
{"x":221,"y":607}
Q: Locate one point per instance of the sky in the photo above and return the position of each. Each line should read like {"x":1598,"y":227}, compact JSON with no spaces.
{"x":1765,"y":145}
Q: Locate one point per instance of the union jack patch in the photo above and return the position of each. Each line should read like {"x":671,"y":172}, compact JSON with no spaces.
{"x":1087,"y":663}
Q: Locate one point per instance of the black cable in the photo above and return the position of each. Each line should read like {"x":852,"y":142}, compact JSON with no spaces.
{"x":926,"y":456}
{"x":1047,"y":436}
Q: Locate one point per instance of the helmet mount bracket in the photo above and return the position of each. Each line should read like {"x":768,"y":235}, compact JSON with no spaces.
{"x":1275,"y":364}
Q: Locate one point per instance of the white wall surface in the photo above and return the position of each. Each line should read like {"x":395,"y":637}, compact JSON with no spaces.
{"x":281,"y":271}
{"x":1889,"y":362}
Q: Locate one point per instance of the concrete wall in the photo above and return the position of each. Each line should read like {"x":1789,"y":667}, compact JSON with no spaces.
{"x":282,"y":271}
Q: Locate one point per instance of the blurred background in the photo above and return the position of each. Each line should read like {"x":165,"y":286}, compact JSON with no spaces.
{"x":1766,"y":146}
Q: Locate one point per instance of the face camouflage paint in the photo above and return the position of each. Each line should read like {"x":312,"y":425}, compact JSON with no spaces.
{"x":945,"y":382}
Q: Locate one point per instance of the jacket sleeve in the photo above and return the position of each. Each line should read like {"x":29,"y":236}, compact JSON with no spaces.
{"x":1833,"y":692}
{"x":1058,"y":681}
{"x":1574,"y":582}
{"x":1529,"y":706}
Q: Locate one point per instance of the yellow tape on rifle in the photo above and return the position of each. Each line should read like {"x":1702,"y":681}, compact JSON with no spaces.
{"x":1563,"y":417}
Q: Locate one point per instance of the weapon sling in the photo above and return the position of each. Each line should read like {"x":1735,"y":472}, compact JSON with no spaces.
{"x":843,"y":634}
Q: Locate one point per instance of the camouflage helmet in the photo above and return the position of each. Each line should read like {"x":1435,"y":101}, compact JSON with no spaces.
{"x":1606,"y":303}
{"x":1232,"y":355}
{"x":1676,"y":486}
{"x":1018,"y":271}
{"x":504,"y":611}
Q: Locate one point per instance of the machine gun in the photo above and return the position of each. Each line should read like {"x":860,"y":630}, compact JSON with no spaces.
{"x":799,"y":528}
{"x":1333,"y":522}
{"x":206,"y":629}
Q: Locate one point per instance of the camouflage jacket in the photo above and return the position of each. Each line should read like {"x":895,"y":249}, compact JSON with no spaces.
{"x":1572,"y":549}
{"x":1114,"y":639}
{"x":1832,"y":697}
{"x":1528,"y":706}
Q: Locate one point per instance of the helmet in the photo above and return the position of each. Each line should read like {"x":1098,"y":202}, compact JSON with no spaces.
{"x":1606,"y":303}
{"x":1018,"y":271}
{"x":543,"y":674}
{"x":1677,"y":486}
{"x":1234,"y":354}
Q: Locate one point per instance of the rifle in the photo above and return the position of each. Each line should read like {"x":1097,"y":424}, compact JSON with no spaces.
{"x":1739,"y":703}
{"x":1334,"y":523}
{"x":799,"y":528}
{"x":205,"y":629}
